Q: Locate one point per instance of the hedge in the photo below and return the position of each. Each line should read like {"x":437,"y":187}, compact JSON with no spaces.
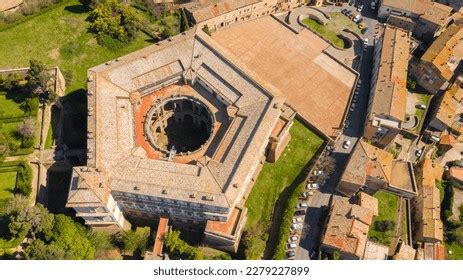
{"x":24,"y":178}
{"x":279,"y":252}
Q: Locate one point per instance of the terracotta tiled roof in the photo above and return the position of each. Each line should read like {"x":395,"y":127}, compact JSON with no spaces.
{"x":430,"y":224}
{"x":390,"y":96}
{"x":347,"y":227}
{"x":456,"y":172}
{"x":369,"y":202}
{"x":207,"y":9}
{"x":426,"y":9}
{"x":406,"y":252}
{"x":447,"y":139}
{"x":446,"y":51}
{"x":450,"y":108}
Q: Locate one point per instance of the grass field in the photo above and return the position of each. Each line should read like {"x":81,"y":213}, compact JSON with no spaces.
{"x":388,"y":205}
{"x":274,"y":178}
{"x":60,"y":38}
{"x":10,"y":104}
{"x":339,"y":22}
{"x":330,"y":31}
{"x":7,"y":185}
{"x":324,"y":31}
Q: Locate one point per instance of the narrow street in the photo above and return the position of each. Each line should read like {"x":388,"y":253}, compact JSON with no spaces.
{"x":319,"y":202}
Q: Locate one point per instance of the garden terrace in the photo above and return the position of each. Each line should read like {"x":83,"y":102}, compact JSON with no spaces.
{"x":15,"y":177}
{"x":15,"y":106}
{"x":388,"y":206}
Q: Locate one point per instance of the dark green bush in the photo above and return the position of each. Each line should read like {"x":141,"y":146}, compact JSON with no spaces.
{"x":109,"y":42}
{"x":24,"y":179}
{"x":384,"y":226}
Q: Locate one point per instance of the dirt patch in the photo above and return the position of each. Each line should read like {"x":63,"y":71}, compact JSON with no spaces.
{"x":54,"y":54}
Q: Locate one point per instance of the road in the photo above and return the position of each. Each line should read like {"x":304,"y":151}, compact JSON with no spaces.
{"x":319,"y":202}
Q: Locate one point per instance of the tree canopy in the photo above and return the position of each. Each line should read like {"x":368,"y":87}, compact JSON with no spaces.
{"x":114,"y":19}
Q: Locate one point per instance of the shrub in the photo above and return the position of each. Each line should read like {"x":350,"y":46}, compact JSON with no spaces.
{"x":206,"y":30}
{"x":24,"y":179}
{"x":12,"y":81}
{"x":283,"y":234}
{"x":384,"y":226}
{"x":109,"y":42}
{"x":134,"y":241}
{"x":114,"y":19}
{"x":411,"y":83}
{"x":180,"y":249}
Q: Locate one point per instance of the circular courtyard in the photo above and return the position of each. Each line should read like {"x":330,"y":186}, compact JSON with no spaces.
{"x":180,"y":124}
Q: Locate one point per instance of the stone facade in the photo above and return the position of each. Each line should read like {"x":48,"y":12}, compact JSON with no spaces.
{"x":216,"y":15}
{"x":131,"y":179}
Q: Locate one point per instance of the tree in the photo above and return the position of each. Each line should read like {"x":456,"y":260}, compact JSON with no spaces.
{"x":38,"y":250}
{"x":384,"y":226}
{"x":30,"y":220}
{"x":115,"y":19}
{"x":71,"y":237}
{"x":411,"y":83}
{"x":37,"y":77}
{"x":134,"y":241}
{"x":27,"y":128}
{"x":184,"y":24}
{"x":336,"y":255}
{"x":458,"y":235}
{"x":4,"y":147}
{"x":180,"y":248}
{"x":11,"y":82}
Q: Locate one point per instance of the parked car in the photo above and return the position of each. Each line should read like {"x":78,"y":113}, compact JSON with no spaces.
{"x":360,"y":8}
{"x":295,"y":227}
{"x":348,"y":12}
{"x":418,"y":153}
{"x":290,"y":254}
{"x":297,"y":220}
{"x":301,"y":205}
{"x":420,"y":106}
{"x":311,"y":186}
{"x":291,"y":246}
{"x":343,"y":11}
{"x":362,"y":25}
{"x":356,"y":18}
{"x":373,"y":5}
{"x":346,"y":144}
{"x":364,"y":30}
{"x":317,"y":172}
{"x":293,"y":238}
{"x":301,"y":212}
{"x":365,"y":41}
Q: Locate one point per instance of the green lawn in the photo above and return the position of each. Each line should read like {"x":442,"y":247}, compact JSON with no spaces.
{"x":10,"y":104}
{"x":273,"y":179}
{"x":388,"y":205}
{"x":330,"y":31}
{"x":9,"y":130}
{"x":7,"y":185}
{"x":339,"y":22}
{"x":60,"y":37}
{"x":457,"y":251}
{"x":324,"y":31}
